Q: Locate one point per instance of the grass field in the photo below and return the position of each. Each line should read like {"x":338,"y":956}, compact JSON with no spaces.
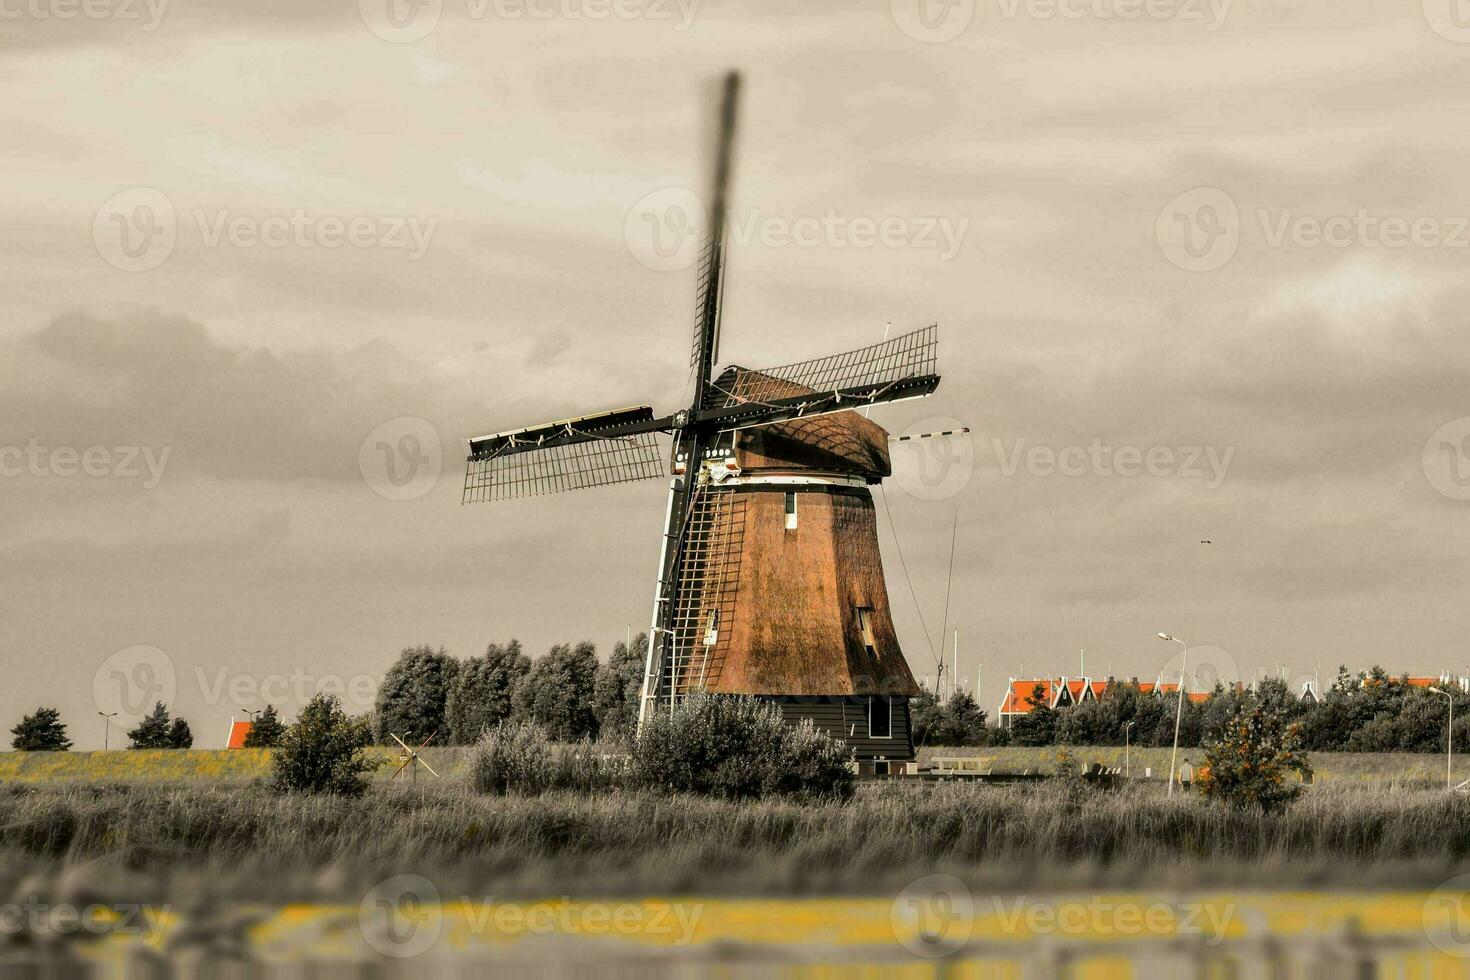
{"x":1051,"y":835}
{"x":197,"y":839}
{"x":245,"y":765}
{"x":1399,"y":768}
{"x":146,"y":766}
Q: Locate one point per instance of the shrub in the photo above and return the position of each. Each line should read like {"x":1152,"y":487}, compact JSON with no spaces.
{"x":179,"y":735}
{"x":813,"y":764}
{"x":738,"y":748}
{"x":559,"y":692}
{"x":412,"y":696}
{"x":512,"y":757}
{"x":617,"y":690}
{"x":480,"y":697}
{"x":589,"y":767}
{"x":157,"y":731}
{"x":267,"y":730}
{"x":958,"y":721}
{"x":519,"y":757}
{"x":43,"y":731}
{"x":1248,"y":765}
{"x":323,"y":752}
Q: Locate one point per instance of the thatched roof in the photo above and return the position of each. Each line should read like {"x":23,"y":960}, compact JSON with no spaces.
{"x":842,"y":442}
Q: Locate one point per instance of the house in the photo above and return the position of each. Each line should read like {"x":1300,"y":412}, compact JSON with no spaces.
{"x":1059,"y":692}
{"x":1445,"y":681}
{"x":1063,"y":692}
{"x":238,"y":731}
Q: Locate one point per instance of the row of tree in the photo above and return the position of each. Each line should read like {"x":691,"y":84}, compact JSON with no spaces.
{"x":1368,"y":711}
{"x":568,"y":692}
{"x":573,"y":696}
{"x":44,"y":731}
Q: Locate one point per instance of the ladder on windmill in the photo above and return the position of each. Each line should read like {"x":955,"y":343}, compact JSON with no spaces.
{"x":702,"y":592}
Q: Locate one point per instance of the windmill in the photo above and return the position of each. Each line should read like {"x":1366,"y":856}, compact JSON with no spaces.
{"x":769,"y":579}
{"x":411,"y":758}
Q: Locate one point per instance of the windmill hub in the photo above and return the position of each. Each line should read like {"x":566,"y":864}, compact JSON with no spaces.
{"x":770,"y":581}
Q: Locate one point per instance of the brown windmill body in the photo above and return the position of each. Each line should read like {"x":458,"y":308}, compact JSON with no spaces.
{"x":793,"y":606}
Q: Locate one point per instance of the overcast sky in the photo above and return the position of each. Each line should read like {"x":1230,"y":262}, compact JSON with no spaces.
{"x":1109,"y":210}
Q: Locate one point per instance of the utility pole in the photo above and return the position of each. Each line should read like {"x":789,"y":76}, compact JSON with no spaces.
{"x":1449,"y":745}
{"x":106,"y":726}
{"x":1179,"y":710}
{"x":1127,"y":750}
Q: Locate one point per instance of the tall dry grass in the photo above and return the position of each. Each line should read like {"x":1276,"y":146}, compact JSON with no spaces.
{"x":252,"y":843}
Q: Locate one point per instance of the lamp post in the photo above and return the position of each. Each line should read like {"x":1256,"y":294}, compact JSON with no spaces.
{"x":106,"y":726}
{"x":1179,"y":710}
{"x":1449,"y":735}
{"x":1127,"y":746}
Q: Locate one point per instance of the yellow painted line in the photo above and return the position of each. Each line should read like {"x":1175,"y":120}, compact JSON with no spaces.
{"x":999,"y":921}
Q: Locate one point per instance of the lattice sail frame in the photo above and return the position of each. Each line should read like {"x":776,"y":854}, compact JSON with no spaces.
{"x":901,"y":358}
{"x":555,"y":469}
{"x":704,"y":281}
{"x":707,"y":581}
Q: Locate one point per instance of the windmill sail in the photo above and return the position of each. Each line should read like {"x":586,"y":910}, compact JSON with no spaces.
{"x":908,"y":357}
{"x":572,"y":454}
{"x":710,"y":281}
{"x":578,"y":466}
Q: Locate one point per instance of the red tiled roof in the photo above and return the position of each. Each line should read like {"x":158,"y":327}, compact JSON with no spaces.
{"x":1016,"y":698}
{"x":238,"y":731}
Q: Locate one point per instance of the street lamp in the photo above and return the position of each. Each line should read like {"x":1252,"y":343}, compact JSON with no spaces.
{"x":1178,"y":711}
{"x":1449,"y":735}
{"x":1127,"y":745}
{"x":106,"y":726}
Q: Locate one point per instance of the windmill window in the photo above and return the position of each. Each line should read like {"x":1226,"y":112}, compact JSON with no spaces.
{"x":880,"y":717}
{"x":865,"y":623}
{"x":790,"y":511}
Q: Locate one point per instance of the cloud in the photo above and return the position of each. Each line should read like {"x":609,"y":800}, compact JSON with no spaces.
{"x":154,"y":379}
